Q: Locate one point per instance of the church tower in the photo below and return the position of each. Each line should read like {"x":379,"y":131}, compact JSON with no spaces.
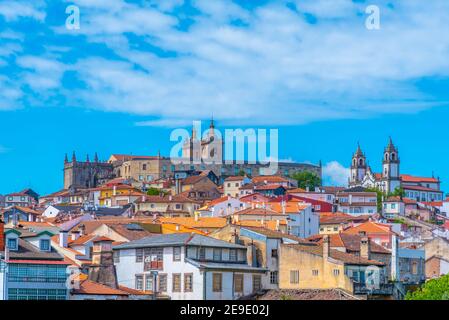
{"x":358,"y":167}
{"x":390,"y":168}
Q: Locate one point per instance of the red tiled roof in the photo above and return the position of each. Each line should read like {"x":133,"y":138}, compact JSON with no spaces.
{"x":409,"y":178}
{"x":91,"y":287}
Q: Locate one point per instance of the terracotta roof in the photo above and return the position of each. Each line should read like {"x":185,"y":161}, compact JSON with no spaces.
{"x":130,"y":231}
{"x":349,"y":241}
{"x":102,"y":238}
{"x":257,"y":211}
{"x":234,"y":178}
{"x":296,"y":190}
{"x":337,"y":218}
{"x":290,"y":206}
{"x":268,"y":187}
{"x":267,"y":224}
{"x":344,"y":257}
{"x":81,"y":240}
{"x":269,"y":179}
{"x":201,"y":222}
{"x":370,"y":228}
{"x":420,"y":188}
{"x":277,"y":234}
{"x":180,"y":198}
{"x":409,"y":178}
{"x":90,"y":287}
{"x":218,"y":200}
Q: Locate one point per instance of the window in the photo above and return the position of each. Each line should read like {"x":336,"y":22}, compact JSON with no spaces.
{"x":232,"y":255}
{"x":336,"y":272}
{"x":257,"y":283}
{"x":294,"y":276}
{"x":139,"y":255}
{"x":144,"y":167}
{"x":274,"y":277}
{"x":414,"y":267}
{"x":140,"y":178}
{"x":139,"y":282}
{"x":188,"y":282}
{"x":176,"y":253}
{"x":216,"y":282}
{"x":274,"y":253}
{"x":238,"y":283}
{"x":149,"y":283}
{"x":315,"y":273}
{"x":163,"y":283}
{"x":12,"y":244}
{"x":176,"y":282}
{"x":44,"y":245}
{"x":202,"y":253}
{"x":217,"y":254}
{"x":177,"y":206}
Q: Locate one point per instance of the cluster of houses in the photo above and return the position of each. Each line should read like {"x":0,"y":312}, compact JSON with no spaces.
{"x":201,"y":237}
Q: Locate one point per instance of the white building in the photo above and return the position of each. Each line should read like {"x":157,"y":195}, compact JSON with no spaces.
{"x":357,"y":201}
{"x":187,"y":266}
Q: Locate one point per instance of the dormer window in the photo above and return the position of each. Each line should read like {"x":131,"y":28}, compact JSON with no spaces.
{"x":12,"y":244}
{"x":44,"y":245}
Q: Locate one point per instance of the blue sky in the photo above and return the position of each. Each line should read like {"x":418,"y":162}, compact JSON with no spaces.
{"x":137,"y":69}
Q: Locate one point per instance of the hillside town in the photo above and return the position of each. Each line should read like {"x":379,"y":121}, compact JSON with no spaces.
{"x":141,"y":228}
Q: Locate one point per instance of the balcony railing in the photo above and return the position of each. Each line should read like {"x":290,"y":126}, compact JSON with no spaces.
{"x":382,"y":289}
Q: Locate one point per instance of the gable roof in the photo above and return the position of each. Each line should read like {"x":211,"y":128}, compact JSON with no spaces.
{"x":349,"y":241}
{"x":346,"y":258}
{"x":178,"y":239}
{"x":370,"y":227}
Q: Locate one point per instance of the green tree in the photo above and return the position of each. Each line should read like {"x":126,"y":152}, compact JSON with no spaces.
{"x":435,"y":289}
{"x":307,"y":179}
{"x":155,"y":192}
{"x":242,"y":173}
{"x":398,"y":192}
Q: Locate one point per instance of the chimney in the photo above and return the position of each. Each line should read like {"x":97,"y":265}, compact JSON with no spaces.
{"x":102,"y":269}
{"x":178,"y":227}
{"x":326,"y":246}
{"x":277,"y":225}
{"x":350,"y":199}
{"x":75,"y":235}
{"x":63,"y":238}
{"x":365,"y":247}
{"x":81,"y":229}
{"x":394,"y":257}
{"x":197,"y":216}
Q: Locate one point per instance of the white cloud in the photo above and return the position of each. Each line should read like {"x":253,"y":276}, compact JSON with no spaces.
{"x":335,"y":174}
{"x":277,"y":68}
{"x":13,"y":10}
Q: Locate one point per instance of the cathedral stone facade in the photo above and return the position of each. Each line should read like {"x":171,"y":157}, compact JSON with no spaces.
{"x":198,"y":154}
{"x":87,"y":174}
{"x":387,"y":181}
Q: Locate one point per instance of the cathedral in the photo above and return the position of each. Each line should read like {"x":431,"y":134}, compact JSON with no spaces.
{"x":387,"y":181}
{"x":208,"y":149}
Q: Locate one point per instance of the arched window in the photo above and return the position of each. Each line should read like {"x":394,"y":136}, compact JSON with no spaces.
{"x":361,"y":162}
{"x":353,"y":162}
{"x":386,"y":156}
{"x":393,"y":156}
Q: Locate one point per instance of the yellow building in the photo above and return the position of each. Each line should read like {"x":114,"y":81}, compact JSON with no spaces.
{"x":108,"y":193}
{"x":320,"y":267}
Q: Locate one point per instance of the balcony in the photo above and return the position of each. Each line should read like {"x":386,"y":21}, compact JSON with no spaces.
{"x":153,"y":265}
{"x":384,"y":289}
